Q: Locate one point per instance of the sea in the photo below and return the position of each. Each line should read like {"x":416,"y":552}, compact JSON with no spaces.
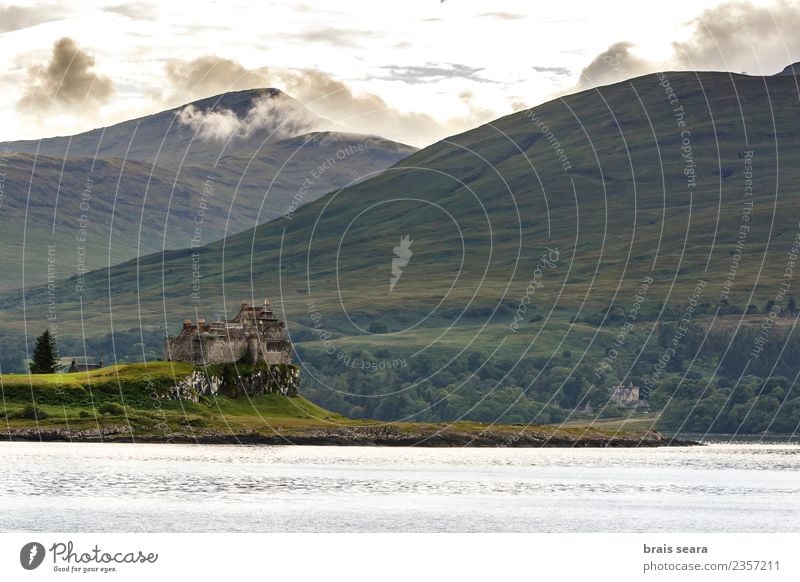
{"x":113,"y":487}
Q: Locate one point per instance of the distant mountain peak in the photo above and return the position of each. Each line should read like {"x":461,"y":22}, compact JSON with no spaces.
{"x":237,"y":101}
{"x":240,"y":114}
{"x":793,"y":69}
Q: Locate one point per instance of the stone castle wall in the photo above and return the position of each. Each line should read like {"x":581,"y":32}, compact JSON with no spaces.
{"x":210,"y":351}
{"x":201,"y":351}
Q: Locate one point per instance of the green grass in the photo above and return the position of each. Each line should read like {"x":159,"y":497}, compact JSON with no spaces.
{"x":76,"y":401}
{"x":65,"y":408}
{"x":634,"y":422}
{"x":110,"y":374}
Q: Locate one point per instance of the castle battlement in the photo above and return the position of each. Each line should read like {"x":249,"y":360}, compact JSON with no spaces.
{"x":254,"y":335}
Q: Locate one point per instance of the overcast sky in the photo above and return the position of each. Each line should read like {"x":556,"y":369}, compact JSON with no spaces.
{"x":414,"y":71}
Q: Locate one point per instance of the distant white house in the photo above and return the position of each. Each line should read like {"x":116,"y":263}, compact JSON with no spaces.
{"x":627,"y":396}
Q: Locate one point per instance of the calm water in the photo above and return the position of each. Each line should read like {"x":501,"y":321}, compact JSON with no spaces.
{"x":171,"y":488}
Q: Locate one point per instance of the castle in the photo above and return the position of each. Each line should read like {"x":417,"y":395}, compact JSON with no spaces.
{"x":254,"y":336}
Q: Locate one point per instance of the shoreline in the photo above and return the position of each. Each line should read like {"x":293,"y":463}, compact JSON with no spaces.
{"x":115,"y":404}
{"x":358,"y":436}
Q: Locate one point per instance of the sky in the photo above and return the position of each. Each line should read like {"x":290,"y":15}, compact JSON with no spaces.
{"x":414,"y":71}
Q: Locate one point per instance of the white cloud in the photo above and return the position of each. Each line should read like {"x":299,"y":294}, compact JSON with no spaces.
{"x":395,"y":69}
{"x":276,"y":113}
{"x":68,"y":82}
{"x":733,"y":36}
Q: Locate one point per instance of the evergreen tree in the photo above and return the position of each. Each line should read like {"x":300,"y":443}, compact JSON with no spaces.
{"x":45,"y":355}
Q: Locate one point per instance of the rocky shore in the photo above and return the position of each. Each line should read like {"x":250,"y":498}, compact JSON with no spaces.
{"x":359,"y":436}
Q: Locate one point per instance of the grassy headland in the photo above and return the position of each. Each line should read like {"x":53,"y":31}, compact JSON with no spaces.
{"x":120,"y":403}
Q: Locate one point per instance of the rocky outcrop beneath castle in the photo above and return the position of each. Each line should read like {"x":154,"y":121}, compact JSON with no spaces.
{"x":236,"y":381}
{"x":194,"y":386}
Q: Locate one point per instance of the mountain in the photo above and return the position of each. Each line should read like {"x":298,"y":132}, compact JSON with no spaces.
{"x":490,"y":274}
{"x":194,"y":132}
{"x":183,"y":177}
{"x":621,"y":190}
{"x":792,"y":69}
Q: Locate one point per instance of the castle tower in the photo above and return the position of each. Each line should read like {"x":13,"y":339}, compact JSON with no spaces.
{"x":253,"y":348}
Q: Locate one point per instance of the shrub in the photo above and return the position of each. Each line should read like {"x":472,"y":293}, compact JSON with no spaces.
{"x":111,"y":408}
{"x":84,"y":414}
{"x":377,"y":327}
{"x":32,"y":412}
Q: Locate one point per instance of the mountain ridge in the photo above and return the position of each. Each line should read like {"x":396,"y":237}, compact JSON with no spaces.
{"x":793,"y":69}
{"x":119,"y":136}
{"x":59,"y":188}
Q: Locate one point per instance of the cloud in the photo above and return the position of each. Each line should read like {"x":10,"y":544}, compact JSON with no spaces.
{"x":361,"y":112}
{"x":207,"y":76}
{"x":349,"y":109}
{"x":210,"y":125}
{"x":739,"y":36}
{"x":135,"y":10}
{"x":616,"y":63}
{"x":554,"y":70}
{"x":431,"y":73}
{"x":300,"y":7}
{"x":66,"y":84}
{"x":502,"y":15}
{"x":734,"y":36}
{"x":476,"y":112}
{"x":13,"y":17}
{"x":338,"y":37}
{"x":275,"y":112}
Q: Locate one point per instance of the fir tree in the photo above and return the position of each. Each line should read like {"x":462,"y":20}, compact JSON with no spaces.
{"x":45,"y":355}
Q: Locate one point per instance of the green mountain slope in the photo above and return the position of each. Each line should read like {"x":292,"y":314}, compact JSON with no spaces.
{"x":531,"y":236}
